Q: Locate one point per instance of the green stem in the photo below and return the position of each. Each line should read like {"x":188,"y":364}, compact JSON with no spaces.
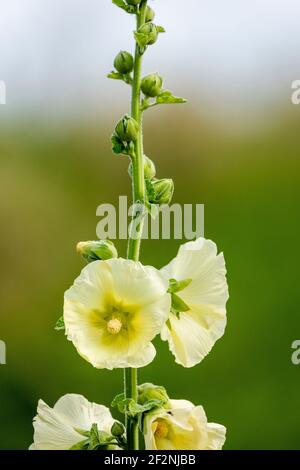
{"x":134,"y":243}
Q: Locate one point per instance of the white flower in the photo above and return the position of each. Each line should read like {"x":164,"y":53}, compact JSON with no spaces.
{"x":113,"y":311}
{"x":182,"y":427}
{"x":57,"y":428}
{"x":193,"y":332}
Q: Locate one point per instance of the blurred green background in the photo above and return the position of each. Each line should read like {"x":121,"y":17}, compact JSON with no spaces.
{"x":54,"y":174}
{"x":50,"y":187}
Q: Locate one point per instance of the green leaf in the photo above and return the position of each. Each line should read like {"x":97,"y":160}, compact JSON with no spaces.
{"x":160,"y":29}
{"x":115,"y":75}
{"x":120,"y":76}
{"x":166,"y":97}
{"x":60,"y":324}
{"x":177,"y":286}
{"x":178,"y":305}
{"x":124,"y":6}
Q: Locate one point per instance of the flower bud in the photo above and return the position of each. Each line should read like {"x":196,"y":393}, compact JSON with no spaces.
{"x":149,"y":391}
{"x":127,"y":129}
{"x":149,"y":168}
{"x":150,"y":14}
{"x":124,"y":62}
{"x":133,"y":2}
{"x":118,"y":429}
{"x":152,"y":85}
{"x":150,"y":30}
{"x":160,"y":191}
{"x":97,"y":250}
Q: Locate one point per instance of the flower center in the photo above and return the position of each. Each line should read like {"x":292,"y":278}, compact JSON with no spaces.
{"x":162,"y":429}
{"x":114,"y":326}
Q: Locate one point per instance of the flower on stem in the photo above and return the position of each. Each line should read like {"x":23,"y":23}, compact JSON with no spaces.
{"x":113,"y":311}
{"x":199,"y":294}
{"x":68,"y":423}
{"x":182,"y":427}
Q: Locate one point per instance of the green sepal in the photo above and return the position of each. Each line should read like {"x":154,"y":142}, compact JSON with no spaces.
{"x":128,"y":8}
{"x":118,"y":147}
{"x":178,"y":305}
{"x":60,"y":324}
{"x":166,"y":97}
{"x":133,"y":409}
{"x":177,"y":286}
{"x":120,"y":76}
{"x":82,"y":445}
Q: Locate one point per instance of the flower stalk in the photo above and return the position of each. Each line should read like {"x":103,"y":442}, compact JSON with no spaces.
{"x":139,"y":196}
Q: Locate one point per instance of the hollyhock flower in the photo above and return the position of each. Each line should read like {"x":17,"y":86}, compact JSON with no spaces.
{"x":199,"y":294}
{"x":113,"y":311}
{"x":62,"y":427}
{"x":182,"y":427}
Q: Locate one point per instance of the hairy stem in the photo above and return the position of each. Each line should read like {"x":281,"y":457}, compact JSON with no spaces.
{"x":134,"y":243}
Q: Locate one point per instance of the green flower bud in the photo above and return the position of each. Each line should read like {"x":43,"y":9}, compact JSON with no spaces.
{"x":149,"y":391}
{"x":118,"y":429}
{"x":149,"y":168}
{"x":124,"y":62}
{"x":133,"y":2}
{"x":160,"y":191}
{"x":150,"y":14}
{"x":97,"y":250}
{"x":152,"y":85}
{"x":150,"y":30}
{"x":127,"y":129}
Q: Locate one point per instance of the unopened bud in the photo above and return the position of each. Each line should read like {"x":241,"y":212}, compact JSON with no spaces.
{"x":133,"y":2}
{"x":127,"y":129}
{"x":118,"y":429}
{"x":149,"y":169}
{"x":160,"y":191}
{"x":150,"y":14}
{"x":152,"y":85}
{"x":97,"y":250}
{"x":124,"y":62}
{"x":149,"y":391}
{"x":150,"y":30}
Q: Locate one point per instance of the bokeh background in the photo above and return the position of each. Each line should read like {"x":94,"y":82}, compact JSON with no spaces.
{"x":234,"y":147}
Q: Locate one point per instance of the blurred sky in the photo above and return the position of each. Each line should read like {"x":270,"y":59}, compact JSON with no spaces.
{"x":231,"y":54}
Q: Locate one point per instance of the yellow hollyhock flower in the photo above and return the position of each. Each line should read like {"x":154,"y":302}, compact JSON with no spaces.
{"x":182,"y":427}
{"x":199,"y":299}
{"x":57,"y":428}
{"x":113,"y":311}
